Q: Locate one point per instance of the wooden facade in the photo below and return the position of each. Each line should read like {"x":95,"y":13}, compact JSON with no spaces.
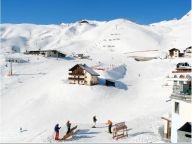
{"x":174,"y":53}
{"x":82,"y":74}
{"x":167,"y":127}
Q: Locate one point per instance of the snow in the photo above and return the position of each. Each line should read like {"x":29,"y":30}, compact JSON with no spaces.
{"x":38,"y":94}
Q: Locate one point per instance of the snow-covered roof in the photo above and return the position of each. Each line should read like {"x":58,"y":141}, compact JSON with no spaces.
{"x":190,"y":47}
{"x":89,"y":70}
{"x":174,"y":49}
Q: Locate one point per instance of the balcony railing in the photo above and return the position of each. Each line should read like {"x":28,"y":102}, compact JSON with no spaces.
{"x":76,"y":74}
{"x":182,"y":71}
{"x":72,"y":78}
{"x":183,"y":97}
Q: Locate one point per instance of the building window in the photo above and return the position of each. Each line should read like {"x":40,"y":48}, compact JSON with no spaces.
{"x":175,"y":76}
{"x":187,"y":135}
{"x":174,"y":82}
{"x":177,"y":107}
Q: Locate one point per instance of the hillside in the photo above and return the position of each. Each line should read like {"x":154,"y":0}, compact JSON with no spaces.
{"x":119,"y":36}
{"x":38,"y":95}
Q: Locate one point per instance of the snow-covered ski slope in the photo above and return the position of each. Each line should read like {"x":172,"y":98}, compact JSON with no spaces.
{"x":38,"y":95}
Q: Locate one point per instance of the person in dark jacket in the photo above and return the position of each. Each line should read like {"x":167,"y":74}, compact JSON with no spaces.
{"x":94,"y":121}
{"x":68,"y":124}
{"x":57,"y":128}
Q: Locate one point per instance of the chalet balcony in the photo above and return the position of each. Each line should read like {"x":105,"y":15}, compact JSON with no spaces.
{"x":182,"y":97}
{"x":75,"y":74}
{"x":72,"y":78}
{"x":182,"y":89}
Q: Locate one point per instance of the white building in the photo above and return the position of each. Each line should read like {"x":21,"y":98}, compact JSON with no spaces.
{"x":181,"y":113}
{"x":15,"y":60}
{"x":188,"y":52}
{"x":47,"y":53}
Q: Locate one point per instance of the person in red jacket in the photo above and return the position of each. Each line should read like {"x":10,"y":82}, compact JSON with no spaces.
{"x":57,"y":128}
{"x":109,"y":126}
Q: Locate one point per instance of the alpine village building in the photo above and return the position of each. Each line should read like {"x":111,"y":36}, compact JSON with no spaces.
{"x":82,"y":74}
{"x":174,"y":53}
{"x":46,"y":53}
{"x":188,"y":52}
{"x":178,"y":126}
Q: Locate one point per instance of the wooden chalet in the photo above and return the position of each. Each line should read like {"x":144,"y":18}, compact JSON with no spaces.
{"x":82,"y":74}
{"x":174,"y":53}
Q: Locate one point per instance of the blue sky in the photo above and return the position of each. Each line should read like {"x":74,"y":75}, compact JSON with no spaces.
{"x":58,"y":11}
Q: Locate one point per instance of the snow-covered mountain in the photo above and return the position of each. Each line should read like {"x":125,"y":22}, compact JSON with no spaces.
{"x":38,"y":95}
{"x":120,"y":36}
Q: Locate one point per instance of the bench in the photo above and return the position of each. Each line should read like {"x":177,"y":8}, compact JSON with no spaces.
{"x":120,"y":130}
{"x":71,"y":133}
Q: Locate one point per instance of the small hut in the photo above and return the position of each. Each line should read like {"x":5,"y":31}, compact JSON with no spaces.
{"x":84,"y":22}
{"x":109,"y":82}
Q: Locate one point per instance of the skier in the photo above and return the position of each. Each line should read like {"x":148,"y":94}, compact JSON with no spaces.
{"x":57,"y":128}
{"x":94,"y":121}
{"x":109,"y":126}
{"x":68,"y":124}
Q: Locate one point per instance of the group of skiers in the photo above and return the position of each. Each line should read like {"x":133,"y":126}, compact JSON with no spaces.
{"x":68,"y":124}
{"x":57,"y":128}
